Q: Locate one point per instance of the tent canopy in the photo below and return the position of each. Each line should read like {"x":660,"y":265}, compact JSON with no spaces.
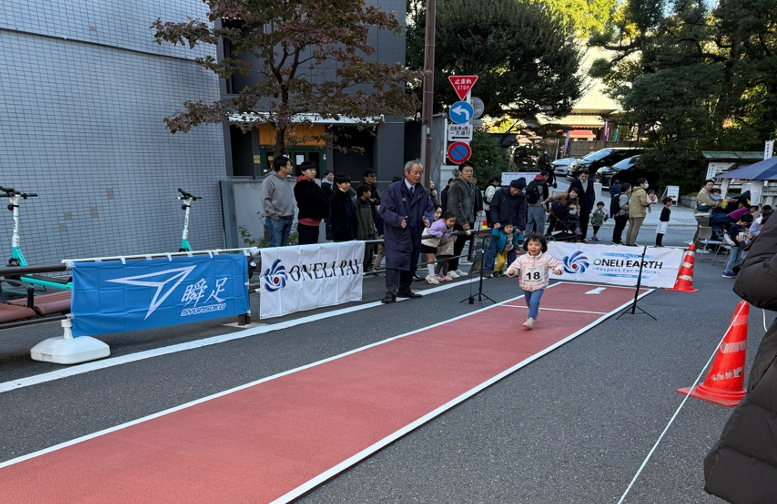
{"x":762,"y":170}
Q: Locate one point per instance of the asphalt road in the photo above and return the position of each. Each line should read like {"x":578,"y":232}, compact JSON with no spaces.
{"x":572,"y":427}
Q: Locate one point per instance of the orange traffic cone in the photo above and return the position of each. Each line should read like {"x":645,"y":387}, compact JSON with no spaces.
{"x":485,"y":224}
{"x":725,"y":381}
{"x":684,"y":281}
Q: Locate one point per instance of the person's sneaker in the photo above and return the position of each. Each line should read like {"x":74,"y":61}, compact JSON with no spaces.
{"x":728,"y":274}
{"x":529,"y":323}
{"x":461,"y":273}
{"x":432,"y":280}
{"x":453,"y":274}
{"x":448,"y":278}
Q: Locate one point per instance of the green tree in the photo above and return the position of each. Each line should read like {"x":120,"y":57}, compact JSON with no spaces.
{"x":586,"y":16}
{"x":692,"y":79}
{"x":524,"y":54}
{"x":303,"y":57}
{"x":488,"y":157}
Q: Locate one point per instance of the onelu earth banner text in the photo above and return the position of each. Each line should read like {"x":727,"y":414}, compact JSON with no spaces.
{"x":310,"y":276}
{"x":617,"y":264}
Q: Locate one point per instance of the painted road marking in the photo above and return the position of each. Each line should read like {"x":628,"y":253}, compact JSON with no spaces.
{"x":596,"y":291}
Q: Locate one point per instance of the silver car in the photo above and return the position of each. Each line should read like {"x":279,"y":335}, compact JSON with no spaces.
{"x":561,"y":166}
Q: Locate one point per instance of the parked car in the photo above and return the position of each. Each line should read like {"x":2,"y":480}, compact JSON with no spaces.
{"x":605,"y":174}
{"x":561,"y":166}
{"x":629,"y":170}
{"x":604,"y":157}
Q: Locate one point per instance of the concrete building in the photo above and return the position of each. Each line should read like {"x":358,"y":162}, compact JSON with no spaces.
{"x":84,"y":91}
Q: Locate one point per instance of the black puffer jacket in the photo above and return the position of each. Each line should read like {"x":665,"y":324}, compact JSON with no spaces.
{"x":742,"y":466}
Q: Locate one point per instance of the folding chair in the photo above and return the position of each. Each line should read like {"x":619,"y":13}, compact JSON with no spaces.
{"x":705,"y":239}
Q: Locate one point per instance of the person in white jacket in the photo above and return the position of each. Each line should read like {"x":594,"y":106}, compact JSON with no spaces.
{"x":534,"y":267}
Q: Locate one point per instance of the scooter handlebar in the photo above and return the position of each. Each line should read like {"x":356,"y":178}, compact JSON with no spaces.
{"x":13,"y":192}
{"x":185,"y":194}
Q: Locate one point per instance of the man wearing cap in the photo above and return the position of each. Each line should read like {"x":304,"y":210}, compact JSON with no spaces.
{"x":508,"y":205}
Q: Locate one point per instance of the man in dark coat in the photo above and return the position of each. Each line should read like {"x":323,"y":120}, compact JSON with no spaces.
{"x":461,"y":203}
{"x":742,"y":466}
{"x":586,"y":196}
{"x":507,"y":205}
{"x":406,"y":209}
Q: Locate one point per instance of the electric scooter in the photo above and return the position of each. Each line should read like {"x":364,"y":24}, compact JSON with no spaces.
{"x":17,"y":257}
{"x":187,"y":199}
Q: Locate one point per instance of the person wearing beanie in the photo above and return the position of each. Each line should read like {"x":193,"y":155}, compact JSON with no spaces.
{"x":508,"y":205}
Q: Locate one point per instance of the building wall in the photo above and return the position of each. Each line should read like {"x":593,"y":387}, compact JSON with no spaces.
{"x":84,"y":90}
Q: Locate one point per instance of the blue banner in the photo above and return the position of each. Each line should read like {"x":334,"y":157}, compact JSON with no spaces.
{"x":111,"y":297}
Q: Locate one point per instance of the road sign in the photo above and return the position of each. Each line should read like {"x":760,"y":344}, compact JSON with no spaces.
{"x":461,"y":112}
{"x":462,"y":84}
{"x":458,"y":152}
{"x":478,"y":105}
{"x":459,"y":132}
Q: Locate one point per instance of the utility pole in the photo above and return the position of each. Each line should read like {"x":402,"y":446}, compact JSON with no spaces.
{"x":428,"y":92}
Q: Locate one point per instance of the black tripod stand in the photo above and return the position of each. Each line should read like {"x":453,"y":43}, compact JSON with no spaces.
{"x":471,"y":298}
{"x":633,"y":308}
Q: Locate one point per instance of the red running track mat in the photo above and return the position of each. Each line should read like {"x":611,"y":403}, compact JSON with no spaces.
{"x":278,"y":438}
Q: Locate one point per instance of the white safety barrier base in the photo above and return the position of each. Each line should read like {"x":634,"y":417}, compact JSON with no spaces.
{"x":66,"y":349}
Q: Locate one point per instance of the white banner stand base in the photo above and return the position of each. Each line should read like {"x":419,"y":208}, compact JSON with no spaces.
{"x":66,"y":349}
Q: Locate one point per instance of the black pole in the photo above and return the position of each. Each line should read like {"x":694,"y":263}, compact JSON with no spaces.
{"x":634,"y":306}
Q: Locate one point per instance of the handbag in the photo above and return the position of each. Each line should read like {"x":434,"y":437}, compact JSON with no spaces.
{"x":702,"y":208}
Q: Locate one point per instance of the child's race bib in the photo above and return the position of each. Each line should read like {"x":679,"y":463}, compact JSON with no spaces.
{"x":532,"y":275}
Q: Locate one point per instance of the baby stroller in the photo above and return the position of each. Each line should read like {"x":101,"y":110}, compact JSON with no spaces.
{"x":564,"y":224}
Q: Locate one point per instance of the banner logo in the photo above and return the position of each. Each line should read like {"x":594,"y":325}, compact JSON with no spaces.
{"x":176,"y":275}
{"x":275,"y":277}
{"x":576,"y":263}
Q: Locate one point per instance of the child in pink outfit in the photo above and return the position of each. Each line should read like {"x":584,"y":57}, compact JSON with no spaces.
{"x":534,"y":267}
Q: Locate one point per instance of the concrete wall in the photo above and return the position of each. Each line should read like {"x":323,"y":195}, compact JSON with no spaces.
{"x":83,"y":93}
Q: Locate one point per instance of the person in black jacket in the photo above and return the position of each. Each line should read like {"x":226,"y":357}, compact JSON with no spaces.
{"x":742,"y":465}
{"x":663,"y":220}
{"x":312,"y":202}
{"x":342,"y":211}
{"x":586,"y":199}
{"x":507,"y":205}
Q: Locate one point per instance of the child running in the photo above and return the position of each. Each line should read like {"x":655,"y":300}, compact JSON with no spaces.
{"x":533,"y":267}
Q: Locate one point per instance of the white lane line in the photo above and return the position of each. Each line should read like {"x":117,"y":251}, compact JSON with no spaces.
{"x":557,"y":309}
{"x":598,"y":290}
{"x":192,"y":345}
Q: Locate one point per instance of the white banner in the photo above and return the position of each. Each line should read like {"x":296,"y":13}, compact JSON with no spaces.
{"x":508,"y":177}
{"x":617,"y":264}
{"x":305,"y":277}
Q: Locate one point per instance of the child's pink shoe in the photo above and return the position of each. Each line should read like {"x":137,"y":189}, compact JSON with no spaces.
{"x":529,"y":323}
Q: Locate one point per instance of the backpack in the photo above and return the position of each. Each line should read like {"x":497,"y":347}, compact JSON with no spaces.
{"x":533,"y":192}
{"x":615,"y":205}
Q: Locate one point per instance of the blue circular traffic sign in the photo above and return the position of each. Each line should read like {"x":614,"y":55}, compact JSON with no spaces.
{"x":461,"y":112}
{"x":458,"y":152}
